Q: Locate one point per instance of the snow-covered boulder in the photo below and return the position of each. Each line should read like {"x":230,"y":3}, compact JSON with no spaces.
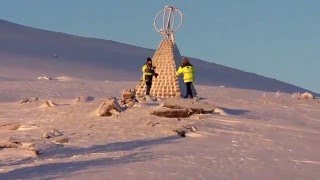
{"x":307,"y":95}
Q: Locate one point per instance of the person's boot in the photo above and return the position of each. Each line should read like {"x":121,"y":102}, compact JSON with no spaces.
{"x":196,"y":98}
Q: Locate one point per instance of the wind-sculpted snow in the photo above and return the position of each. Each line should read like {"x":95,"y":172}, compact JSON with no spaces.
{"x":264,"y":136}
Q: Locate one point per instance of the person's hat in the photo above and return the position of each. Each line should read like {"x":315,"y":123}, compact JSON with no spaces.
{"x":185,"y":60}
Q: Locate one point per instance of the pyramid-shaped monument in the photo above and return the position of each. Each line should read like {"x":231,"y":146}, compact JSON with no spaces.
{"x":166,"y":59}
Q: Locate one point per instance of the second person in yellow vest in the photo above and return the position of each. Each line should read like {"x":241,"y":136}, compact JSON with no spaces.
{"x":188,"y":76}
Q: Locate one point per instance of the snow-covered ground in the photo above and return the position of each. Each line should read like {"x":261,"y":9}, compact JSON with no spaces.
{"x":265,"y":135}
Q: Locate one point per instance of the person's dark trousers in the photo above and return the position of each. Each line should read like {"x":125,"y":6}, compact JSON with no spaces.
{"x":148,"y":84}
{"x":189,"y":91}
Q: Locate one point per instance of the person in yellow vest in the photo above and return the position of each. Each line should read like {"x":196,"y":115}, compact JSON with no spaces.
{"x":188,"y":76}
{"x":148,"y":72}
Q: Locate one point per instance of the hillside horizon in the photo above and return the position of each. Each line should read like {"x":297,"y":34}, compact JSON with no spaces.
{"x":35,"y":52}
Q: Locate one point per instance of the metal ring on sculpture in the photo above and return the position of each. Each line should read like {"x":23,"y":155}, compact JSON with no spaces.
{"x":168,"y":20}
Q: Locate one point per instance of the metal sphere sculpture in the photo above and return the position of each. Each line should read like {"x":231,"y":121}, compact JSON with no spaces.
{"x":168,"y":26}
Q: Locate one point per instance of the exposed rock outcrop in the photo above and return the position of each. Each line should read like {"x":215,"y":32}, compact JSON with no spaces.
{"x":180,"y":108}
{"x":128,"y":98}
{"x":109,"y":107}
{"x":52,"y":133}
{"x":19,"y":145}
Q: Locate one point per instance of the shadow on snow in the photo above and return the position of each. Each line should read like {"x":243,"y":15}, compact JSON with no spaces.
{"x":52,"y":170}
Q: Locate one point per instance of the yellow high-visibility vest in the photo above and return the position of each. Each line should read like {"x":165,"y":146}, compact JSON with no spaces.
{"x":144,"y":71}
{"x":188,"y":73}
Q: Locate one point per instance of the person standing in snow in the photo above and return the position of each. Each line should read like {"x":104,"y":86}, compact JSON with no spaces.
{"x":188,"y":76}
{"x":148,"y":72}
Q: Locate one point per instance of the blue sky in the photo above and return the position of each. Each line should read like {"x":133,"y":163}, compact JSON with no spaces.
{"x":274,"y":38}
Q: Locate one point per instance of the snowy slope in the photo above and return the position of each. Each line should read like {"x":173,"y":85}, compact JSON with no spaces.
{"x":50,"y":53}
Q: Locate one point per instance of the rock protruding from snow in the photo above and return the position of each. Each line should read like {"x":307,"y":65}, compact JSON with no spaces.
{"x":128,"y":94}
{"x":84,"y":99}
{"x":185,"y":129}
{"x":27,"y":100}
{"x":52,"y":133}
{"x":172,"y":113}
{"x":199,"y":107}
{"x":62,"y":140}
{"x":109,"y":107}
{"x":45,"y":78}
{"x":19,"y":145}
{"x":180,"y":108}
{"x":61,"y":78}
{"x":128,"y":98}
{"x":307,"y":95}
{"x":47,"y":104}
